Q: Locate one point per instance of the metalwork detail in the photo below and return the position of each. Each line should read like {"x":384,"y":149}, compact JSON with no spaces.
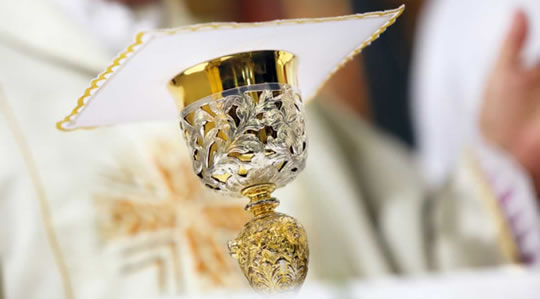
{"x":248,"y":136}
{"x":252,"y":135}
{"x":272,"y":248}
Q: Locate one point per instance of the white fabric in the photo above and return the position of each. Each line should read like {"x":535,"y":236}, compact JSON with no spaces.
{"x":112,"y":22}
{"x":23,"y":23}
{"x":137,"y":90}
{"x":516,"y":198}
{"x":345,"y":241}
{"x":453,"y":60}
{"x":70,"y":167}
{"x":508,"y":283}
{"x":458,"y":42}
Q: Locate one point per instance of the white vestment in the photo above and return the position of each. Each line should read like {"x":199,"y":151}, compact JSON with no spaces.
{"x":457,"y":46}
{"x":360,"y":197}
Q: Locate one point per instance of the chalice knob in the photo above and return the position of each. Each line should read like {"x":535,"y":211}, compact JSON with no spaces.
{"x":272,"y":248}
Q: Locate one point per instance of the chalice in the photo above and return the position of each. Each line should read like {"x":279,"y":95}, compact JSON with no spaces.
{"x":243,"y":120}
{"x":237,"y":91}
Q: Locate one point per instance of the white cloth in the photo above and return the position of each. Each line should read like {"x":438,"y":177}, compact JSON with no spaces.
{"x":458,"y":42}
{"x":113,"y":23}
{"x":351,"y":235}
{"x":139,"y":76}
{"x":46,"y":61}
{"x":70,"y":166}
{"x":502,"y":284}
{"x":516,"y":198}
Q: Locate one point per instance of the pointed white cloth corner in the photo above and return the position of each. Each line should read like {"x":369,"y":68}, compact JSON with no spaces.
{"x":134,"y":87}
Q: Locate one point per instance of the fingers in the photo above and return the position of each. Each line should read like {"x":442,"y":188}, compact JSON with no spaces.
{"x":515,"y":40}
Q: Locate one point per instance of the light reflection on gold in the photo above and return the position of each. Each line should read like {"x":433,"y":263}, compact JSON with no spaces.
{"x":272,"y":248}
{"x":232,"y":71}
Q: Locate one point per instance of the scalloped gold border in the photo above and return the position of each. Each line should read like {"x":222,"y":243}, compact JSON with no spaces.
{"x":212,"y":26}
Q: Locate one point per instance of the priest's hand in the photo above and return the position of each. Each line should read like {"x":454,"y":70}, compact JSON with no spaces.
{"x":510,"y":116}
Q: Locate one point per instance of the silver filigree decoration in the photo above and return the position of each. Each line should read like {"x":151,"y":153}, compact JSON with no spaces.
{"x":246,"y":136}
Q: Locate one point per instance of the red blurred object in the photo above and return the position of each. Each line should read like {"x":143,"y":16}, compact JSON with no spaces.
{"x":135,"y":2}
{"x":260,"y":10}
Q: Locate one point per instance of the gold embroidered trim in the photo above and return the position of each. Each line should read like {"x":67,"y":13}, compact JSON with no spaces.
{"x":506,"y":241}
{"x":139,"y":40}
{"x":32,"y":169}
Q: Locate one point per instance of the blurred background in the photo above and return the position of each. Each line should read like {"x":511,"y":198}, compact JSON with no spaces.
{"x":424,"y":157}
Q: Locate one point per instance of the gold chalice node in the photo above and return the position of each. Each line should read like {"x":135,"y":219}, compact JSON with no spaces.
{"x":243,"y":121}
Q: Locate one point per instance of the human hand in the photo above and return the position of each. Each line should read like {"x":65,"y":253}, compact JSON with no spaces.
{"x":510,"y":115}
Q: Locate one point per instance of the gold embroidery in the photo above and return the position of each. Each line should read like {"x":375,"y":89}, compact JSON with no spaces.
{"x":150,"y":262}
{"x":161,"y":205}
{"x":506,"y":240}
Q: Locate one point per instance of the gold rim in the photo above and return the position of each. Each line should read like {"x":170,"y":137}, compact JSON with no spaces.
{"x":233,"y":71}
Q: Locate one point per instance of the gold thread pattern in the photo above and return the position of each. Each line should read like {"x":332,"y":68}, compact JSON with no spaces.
{"x":153,"y":213}
{"x":506,"y":241}
{"x":141,"y":39}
